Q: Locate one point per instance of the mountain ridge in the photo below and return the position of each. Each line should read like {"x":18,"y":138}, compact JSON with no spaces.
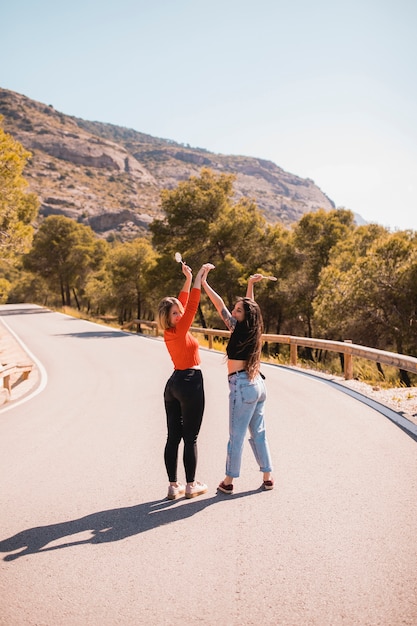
{"x":110,"y":177}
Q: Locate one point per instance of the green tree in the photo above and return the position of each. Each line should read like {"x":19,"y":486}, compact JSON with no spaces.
{"x":236,"y":245}
{"x":385,"y":289}
{"x":5,"y":288}
{"x":314,"y":238}
{"x":190,"y":210}
{"x":204,"y":222}
{"x":64,"y":253}
{"x":17,"y":208}
{"x":29,"y":287}
{"x":98,"y":292}
{"x":334,"y":310}
{"x":275,"y":258}
{"x":368,"y":294}
{"x":129,"y":265}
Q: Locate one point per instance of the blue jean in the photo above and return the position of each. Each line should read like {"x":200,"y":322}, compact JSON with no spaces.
{"x":246,"y":412}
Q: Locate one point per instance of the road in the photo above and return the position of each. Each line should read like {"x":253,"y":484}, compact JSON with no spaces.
{"x":87,"y":537}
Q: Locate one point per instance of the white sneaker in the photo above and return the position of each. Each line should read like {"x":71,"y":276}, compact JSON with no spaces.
{"x":196,"y":489}
{"x":175,"y":492}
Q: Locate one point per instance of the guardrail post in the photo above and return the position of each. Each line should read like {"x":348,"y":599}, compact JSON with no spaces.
{"x":293,"y":354}
{"x":7,"y":383}
{"x":348,"y":363}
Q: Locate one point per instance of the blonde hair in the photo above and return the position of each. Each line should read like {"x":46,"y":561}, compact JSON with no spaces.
{"x":164,"y":309}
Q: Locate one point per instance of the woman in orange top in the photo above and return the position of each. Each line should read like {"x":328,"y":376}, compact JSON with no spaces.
{"x":184,"y":391}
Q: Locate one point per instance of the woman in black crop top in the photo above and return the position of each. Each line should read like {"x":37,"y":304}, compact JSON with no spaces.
{"x":247,"y":391}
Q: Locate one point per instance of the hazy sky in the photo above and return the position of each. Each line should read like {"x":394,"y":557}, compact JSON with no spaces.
{"x":324,"y":89}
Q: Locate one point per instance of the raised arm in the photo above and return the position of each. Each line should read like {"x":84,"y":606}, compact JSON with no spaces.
{"x":202,"y":272}
{"x":254,"y":278}
{"x":188,"y":273}
{"x":218,"y":302}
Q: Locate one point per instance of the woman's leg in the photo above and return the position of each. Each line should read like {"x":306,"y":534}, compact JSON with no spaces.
{"x":191,"y":395}
{"x":174,"y":426}
{"x":258,"y":439}
{"x":243,"y":395}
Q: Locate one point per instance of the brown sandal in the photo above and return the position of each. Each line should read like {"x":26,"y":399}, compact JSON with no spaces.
{"x":225,"y":488}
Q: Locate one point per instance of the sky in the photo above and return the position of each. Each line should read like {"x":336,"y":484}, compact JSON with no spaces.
{"x":326,"y":90}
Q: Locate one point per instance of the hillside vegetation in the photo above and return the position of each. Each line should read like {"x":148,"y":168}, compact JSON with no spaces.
{"x":110,"y":178}
{"x":334,"y":279}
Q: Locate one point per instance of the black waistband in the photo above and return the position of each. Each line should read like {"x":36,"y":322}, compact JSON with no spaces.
{"x":233,"y":373}
{"x":239,"y":371}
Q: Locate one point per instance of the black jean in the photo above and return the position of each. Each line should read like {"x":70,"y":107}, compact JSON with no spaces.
{"x":184,"y":406}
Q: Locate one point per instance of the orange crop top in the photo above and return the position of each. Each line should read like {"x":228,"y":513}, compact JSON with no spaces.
{"x":181,"y":345}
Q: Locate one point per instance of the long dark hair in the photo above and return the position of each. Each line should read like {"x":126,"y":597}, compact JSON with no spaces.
{"x":254,"y":324}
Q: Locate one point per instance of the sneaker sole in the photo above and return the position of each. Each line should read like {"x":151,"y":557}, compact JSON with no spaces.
{"x":176,"y":497}
{"x":194,"y":495}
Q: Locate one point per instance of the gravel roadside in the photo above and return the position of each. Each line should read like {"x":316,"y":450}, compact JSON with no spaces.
{"x":402,"y":400}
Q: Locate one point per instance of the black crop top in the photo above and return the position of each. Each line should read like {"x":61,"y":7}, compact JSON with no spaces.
{"x":238,"y":347}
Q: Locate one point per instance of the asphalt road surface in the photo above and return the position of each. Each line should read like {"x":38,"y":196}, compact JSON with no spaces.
{"x":87,"y":537}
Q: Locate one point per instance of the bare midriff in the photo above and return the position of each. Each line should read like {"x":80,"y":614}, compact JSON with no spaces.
{"x":234,"y":365}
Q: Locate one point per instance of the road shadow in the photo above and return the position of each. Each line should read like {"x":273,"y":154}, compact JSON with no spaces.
{"x":94,"y":334}
{"x":9,"y":309}
{"x":108,"y":526}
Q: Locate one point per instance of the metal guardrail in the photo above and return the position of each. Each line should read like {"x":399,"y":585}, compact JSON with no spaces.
{"x":347,"y":348}
{"x":12,"y":369}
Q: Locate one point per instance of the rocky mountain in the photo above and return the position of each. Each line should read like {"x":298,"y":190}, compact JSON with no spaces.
{"x":110,"y":177}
